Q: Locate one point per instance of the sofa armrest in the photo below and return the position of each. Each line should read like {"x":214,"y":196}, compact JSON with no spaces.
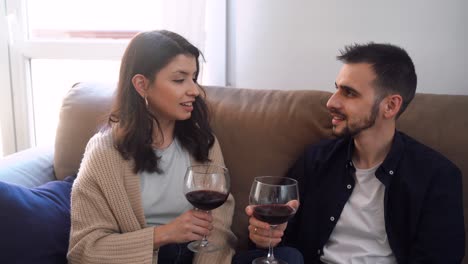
{"x":29,"y":168}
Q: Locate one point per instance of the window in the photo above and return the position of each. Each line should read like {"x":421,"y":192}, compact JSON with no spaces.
{"x":53,"y":44}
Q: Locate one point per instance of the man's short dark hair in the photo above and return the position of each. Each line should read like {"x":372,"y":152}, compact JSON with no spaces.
{"x":392,"y":65}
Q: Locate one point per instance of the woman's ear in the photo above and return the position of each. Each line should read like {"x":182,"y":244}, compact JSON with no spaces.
{"x":139,"y":82}
{"x":392,"y":105}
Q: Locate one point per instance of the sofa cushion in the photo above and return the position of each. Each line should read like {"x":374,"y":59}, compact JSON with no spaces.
{"x":35,"y":222}
{"x":29,"y":168}
{"x":84,"y":110}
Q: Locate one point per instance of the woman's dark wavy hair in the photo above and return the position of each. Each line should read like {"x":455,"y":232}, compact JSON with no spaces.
{"x":146,"y":54}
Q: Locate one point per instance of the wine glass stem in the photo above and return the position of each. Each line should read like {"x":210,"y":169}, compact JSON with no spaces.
{"x":270,"y":255}
{"x":204,"y":241}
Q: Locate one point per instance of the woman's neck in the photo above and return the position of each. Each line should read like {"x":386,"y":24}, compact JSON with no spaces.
{"x":163,"y":136}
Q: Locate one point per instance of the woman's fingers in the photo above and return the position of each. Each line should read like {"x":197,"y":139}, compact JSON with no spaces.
{"x":205,"y":215}
{"x":201,"y":219}
{"x":191,"y":225}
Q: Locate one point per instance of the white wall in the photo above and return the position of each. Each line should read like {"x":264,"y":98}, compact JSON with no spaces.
{"x":292,"y":44}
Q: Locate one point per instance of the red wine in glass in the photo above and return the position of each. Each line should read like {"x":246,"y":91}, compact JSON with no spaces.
{"x":206,"y":187}
{"x":274,"y":214}
{"x":206,"y":200}
{"x":272,"y":198}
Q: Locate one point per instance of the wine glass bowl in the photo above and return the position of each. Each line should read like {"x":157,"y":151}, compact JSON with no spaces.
{"x":206,"y":187}
{"x":274,"y":201}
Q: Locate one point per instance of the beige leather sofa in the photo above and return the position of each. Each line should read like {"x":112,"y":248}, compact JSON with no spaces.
{"x":261,"y":132}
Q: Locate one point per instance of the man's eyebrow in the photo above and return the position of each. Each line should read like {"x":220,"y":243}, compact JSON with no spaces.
{"x":347,"y":88}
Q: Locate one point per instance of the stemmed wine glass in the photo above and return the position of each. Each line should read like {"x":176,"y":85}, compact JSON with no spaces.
{"x":206,"y":187}
{"x":273,"y":199}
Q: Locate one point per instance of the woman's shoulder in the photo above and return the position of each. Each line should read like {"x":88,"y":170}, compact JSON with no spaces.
{"x":100,"y":148}
{"x":102,"y":139}
{"x":101,"y":159}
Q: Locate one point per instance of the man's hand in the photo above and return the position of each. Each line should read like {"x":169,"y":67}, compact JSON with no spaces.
{"x":259,"y":232}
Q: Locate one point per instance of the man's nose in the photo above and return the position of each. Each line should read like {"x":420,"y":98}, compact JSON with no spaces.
{"x":333,"y":101}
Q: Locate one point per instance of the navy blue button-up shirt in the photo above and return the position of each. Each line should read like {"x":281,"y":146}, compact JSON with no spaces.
{"x":422,"y":204}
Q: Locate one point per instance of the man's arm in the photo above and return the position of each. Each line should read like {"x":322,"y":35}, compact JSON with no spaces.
{"x":441,"y":234}
{"x":297,"y":172}
{"x":259,"y":231}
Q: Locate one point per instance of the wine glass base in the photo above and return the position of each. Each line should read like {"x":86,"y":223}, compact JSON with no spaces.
{"x":264,"y":260}
{"x":197,"y":246}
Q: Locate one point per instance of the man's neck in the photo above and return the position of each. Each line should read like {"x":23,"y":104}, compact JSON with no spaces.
{"x":372,"y":146}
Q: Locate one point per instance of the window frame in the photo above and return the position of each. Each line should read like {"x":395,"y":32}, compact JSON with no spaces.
{"x":16,"y":103}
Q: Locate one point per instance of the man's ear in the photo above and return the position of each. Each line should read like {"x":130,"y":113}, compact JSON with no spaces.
{"x":392,"y":105}
{"x":140,"y":83}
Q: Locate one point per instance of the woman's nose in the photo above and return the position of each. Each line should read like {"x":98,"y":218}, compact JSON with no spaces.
{"x":194,"y":89}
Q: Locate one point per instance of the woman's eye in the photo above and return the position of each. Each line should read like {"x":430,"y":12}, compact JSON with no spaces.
{"x":179,"y":81}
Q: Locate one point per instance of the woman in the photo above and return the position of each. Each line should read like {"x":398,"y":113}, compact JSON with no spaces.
{"x":127,"y":202}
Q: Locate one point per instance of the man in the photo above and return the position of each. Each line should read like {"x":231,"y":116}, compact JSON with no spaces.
{"x":374,"y":194}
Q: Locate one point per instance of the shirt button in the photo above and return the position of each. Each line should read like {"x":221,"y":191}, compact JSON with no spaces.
{"x":332,"y":219}
{"x":349,"y":186}
{"x":390,"y":172}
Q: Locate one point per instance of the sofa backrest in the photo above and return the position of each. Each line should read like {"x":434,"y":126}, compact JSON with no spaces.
{"x":83,"y":112}
{"x":262,"y":132}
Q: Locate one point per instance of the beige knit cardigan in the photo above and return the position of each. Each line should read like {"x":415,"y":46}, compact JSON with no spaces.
{"x":107,"y":219}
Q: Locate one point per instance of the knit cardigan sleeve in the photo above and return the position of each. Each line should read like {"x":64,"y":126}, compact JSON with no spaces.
{"x":221,"y":234}
{"x":104,"y":228}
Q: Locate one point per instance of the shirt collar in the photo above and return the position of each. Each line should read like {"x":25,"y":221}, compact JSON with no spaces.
{"x":388,"y":168}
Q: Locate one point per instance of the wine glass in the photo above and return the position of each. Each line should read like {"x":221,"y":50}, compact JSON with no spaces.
{"x":273,"y":199}
{"x":206,"y":187}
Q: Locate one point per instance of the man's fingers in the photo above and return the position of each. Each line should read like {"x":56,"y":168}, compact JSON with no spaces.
{"x":276,"y":233}
{"x":249,"y":210}
{"x":264,"y":241}
{"x":259,"y":224}
{"x":294,"y":204}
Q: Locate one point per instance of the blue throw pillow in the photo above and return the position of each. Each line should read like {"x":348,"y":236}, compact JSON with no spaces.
{"x":35,"y":222}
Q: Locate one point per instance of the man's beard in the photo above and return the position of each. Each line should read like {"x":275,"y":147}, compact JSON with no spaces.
{"x":354,"y":129}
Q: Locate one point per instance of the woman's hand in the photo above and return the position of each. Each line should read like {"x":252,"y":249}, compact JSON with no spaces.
{"x":259,"y":232}
{"x":189,"y":226}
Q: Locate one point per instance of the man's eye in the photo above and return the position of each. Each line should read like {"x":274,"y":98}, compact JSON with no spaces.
{"x":349,"y":93}
{"x":179,"y":81}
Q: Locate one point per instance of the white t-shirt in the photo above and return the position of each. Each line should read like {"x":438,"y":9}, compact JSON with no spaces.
{"x":359,"y":236}
{"x":163,"y":194}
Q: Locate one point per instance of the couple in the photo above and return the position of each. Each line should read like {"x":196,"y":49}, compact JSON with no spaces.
{"x":373,"y":195}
